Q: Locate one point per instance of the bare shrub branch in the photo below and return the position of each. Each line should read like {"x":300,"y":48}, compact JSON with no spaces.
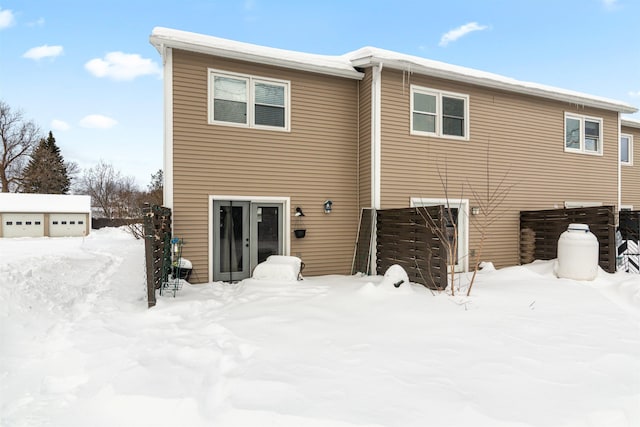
{"x":490,"y":209}
{"x":439,"y":229}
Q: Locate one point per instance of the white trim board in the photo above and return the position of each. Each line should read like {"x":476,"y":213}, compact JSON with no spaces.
{"x":286,"y":202}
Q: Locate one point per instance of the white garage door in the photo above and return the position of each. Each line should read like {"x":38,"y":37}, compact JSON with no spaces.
{"x":23,"y":225}
{"x":68,"y":224}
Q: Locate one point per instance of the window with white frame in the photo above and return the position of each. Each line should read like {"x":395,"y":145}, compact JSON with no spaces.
{"x":626,"y":149}
{"x":582,"y":134}
{"x":248,"y":101}
{"x":438,"y":113}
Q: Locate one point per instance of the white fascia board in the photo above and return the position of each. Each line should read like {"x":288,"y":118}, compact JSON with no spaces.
{"x":323,"y":64}
{"x":372,"y":56}
{"x":632,"y":123}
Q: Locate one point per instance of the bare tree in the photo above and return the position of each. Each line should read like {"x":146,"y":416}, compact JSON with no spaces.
{"x":19,"y":137}
{"x":109,"y":190}
{"x":489,"y":203}
{"x":129,"y":199}
{"x":135,"y":200}
{"x":73,"y":170}
{"x":155,"y":189}
{"x":445,"y":227}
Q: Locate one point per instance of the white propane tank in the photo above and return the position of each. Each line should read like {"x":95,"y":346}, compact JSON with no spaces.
{"x":577,"y":253}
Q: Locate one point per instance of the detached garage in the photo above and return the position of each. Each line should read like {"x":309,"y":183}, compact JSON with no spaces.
{"x":39,"y":215}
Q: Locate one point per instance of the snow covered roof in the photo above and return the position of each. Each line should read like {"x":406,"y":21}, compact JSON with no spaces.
{"x":324,"y":64}
{"x":632,"y":123}
{"x":49,"y":203}
{"x":345,"y":66}
{"x":371,"y":56}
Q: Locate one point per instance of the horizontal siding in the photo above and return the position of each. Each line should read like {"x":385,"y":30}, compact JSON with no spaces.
{"x":523,"y":138}
{"x":364,"y":136}
{"x":631,"y":174}
{"x":314,"y":162}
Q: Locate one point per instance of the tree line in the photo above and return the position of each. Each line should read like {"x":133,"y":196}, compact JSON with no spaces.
{"x":32,"y":163}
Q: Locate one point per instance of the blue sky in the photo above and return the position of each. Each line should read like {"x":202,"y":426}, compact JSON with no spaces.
{"x":86,"y":71}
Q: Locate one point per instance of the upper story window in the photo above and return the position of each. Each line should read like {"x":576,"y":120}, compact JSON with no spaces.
{"x":626,"y":149}
{"x":248,"y":101}
{"x":582,"y":134}
{"x":440,"y":114}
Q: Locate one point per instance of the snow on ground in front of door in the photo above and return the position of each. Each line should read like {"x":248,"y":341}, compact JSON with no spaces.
{"x":78,"y":347}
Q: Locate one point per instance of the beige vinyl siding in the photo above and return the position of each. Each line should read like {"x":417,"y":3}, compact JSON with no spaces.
{"x":364,"y":136}
{"x":524,"y":137}
{"x":314,"y":162}
{"x":631,"y":174}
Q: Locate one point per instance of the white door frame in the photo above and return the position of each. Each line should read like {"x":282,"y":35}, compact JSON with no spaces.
{"x":286,"y":207}
{"x":243,"y":246}
{"x":462,"y":264}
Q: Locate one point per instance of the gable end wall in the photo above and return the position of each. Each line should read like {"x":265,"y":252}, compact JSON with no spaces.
{"x":314,"y":162}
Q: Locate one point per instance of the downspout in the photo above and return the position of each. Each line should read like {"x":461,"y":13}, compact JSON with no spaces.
{"x":376,"y":142}
{"x":359,"y":202}
{"x":619,"y":163}
{"x":167,"y":59}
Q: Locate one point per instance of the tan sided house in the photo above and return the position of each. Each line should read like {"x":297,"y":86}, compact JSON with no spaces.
{"x":255,"y":134}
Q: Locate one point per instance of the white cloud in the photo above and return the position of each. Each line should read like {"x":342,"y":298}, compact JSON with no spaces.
{"x":634,"y":94}
{"x":461,"y":31}
{"x":250,"y":9}
{"x":45,"y":51}
{"x":610,"y":4}
{"x":37,"y":23}
{"x":122,"y":66}
{"x":7,"y":19}
{"x":59,"y":125}
{"x":97,"y":121}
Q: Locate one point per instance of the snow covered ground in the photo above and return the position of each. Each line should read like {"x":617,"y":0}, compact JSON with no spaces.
{"x":79,"y":347}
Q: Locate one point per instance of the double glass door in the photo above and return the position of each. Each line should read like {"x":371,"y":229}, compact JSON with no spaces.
{"x":244,"y":235}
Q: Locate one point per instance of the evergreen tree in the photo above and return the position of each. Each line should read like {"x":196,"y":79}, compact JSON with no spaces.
{"x":46,"y":172}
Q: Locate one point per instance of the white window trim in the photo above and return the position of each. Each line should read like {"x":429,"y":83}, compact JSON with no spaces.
{"x":630,"y":162}
{"x":251,"y":81}
{"x":462,"y":263}
{"x":582,"y":149}
{"x":439,"y":94}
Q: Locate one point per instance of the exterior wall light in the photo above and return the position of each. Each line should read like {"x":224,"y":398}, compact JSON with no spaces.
{"x":327,"y":206}
{"x":475,"y":210}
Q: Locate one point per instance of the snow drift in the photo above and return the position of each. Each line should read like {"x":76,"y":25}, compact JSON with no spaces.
{"x":79,"y":347}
